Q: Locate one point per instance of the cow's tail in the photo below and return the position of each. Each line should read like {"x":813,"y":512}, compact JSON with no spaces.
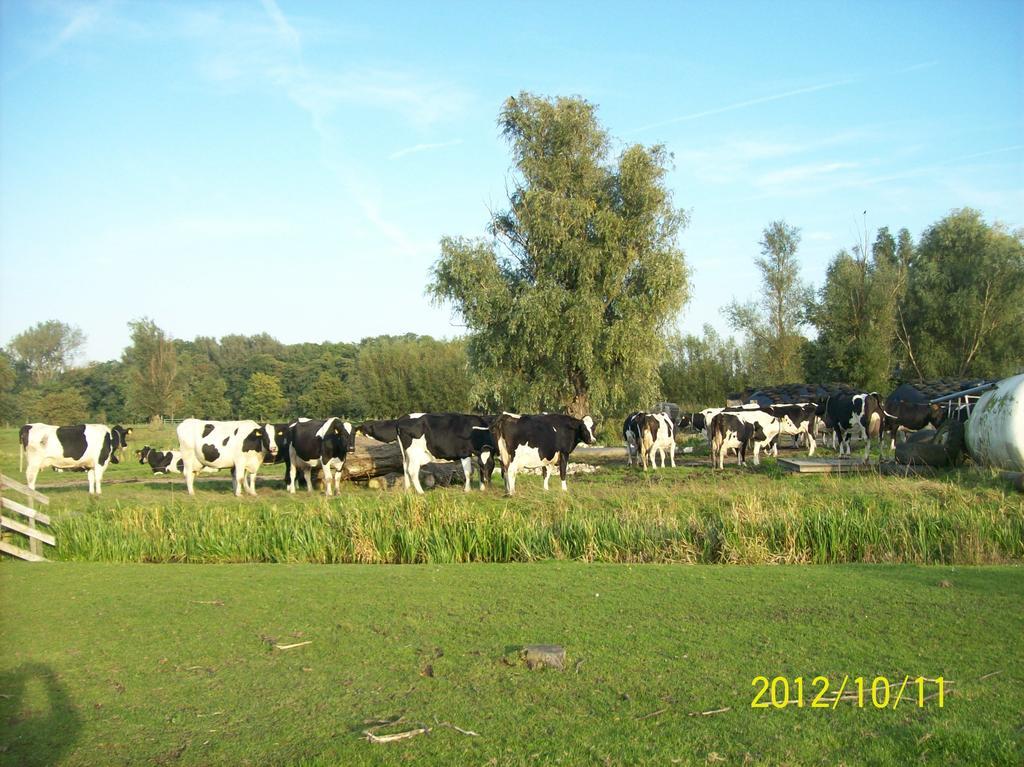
{"x":22,"y":445}
{"x":497,"y":429}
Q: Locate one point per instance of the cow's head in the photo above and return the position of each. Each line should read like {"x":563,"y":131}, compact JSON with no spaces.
{"x":339,"y":439}
{"x":936,"y":415}
{"x":258,"y":440}
{"x":144,"y":453}
{"x":685,"y":421}
{"x":269,"y":439}
{"x":585,"y":433}
{"x":699,"y":422}
{"x":279,"y":439}
{"x":119,"y":437}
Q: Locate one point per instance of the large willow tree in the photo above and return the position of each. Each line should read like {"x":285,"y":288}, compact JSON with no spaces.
{"x":567,"y":303}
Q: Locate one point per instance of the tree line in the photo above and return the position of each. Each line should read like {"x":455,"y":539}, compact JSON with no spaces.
{"x":234,"y":377}
{"x":569,"y":299}
{"x":890,"y":311}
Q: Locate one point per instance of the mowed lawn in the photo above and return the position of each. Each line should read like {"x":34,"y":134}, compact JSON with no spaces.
{"x":177,"y":664}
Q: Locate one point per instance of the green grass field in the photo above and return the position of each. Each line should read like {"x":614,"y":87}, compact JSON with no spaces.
{"x":165,"y":664}
{"x":112,"y":661}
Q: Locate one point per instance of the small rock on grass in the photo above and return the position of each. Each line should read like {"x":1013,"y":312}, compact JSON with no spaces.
{"x":540,"y":655}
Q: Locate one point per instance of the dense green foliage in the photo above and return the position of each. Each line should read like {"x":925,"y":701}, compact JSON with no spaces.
{"x":857,"y":313}
{"x":771,"y":324}
{"x":244,"y":377}
{"x":703,"y":370}
{"x":566,"y":306}
{"x":47,"y":349}
{"x":405,"y":375}
{"x":153,"y":664}
{"x":965,"y":299}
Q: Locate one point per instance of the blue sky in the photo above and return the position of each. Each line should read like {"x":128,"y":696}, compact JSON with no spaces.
{"x":290,"y":167}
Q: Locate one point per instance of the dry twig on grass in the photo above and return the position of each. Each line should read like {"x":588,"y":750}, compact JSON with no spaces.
{"x":419,"y":729}
{"x":990,"y":673}
{"x":711,"y":712}
{"x":290,"y":646}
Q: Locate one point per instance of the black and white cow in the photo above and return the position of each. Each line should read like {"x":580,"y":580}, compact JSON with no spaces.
{"x":903,"y":416}
{"x":855,"y":416}
{"x":631,"y":436}
{"x":739,"y":429}
{"x":236,"y":445}
{"x":383,"y":430}
{"x":320,"y":445}
{"x":530,"y":441}
{"x":427,"y":437}
{"x":657,"y":437}
{"x":161,"y":462}
{"x":795,"y":420}
{"x":87,"y":447}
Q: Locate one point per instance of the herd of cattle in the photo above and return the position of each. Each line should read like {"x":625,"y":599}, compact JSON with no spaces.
{"x":517,"y":442}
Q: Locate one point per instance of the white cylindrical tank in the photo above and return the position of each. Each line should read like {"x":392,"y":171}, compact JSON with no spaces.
{"x":995,"y":430}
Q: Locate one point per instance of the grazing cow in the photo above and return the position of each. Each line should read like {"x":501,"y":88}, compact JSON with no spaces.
{"x":236,"y":445}
{"x":169,"y":462}
{"x":319,"y":444}
{"x":426,"y":437}
{"x":903,"y":416}
{"x":383,"y":431}
{"x":855,"y":416}
{"x":795,"y":420}
{"x":530,"y":441}
{"x":738,"y":429}
{"x":631,"y":436}
{"x":87,"y":447}
{"x":657,"y":436}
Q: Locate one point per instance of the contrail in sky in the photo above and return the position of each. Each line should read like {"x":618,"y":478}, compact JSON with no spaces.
{"x":745,"y":104}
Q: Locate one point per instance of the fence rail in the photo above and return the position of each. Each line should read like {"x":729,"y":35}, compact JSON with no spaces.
{"x":34,"y":535}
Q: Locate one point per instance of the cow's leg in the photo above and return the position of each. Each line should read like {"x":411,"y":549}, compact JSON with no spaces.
{"x":415,"y":464}
{"x":810,"y":444}
{"x":92,"y":481}
{"x":328,"y":479}
{"x":308,"y":476}
{"x":546,"y":471}
{"x":31,"y":473}
{"x":563,"y":466}
{"x":510,"y":477}
{"x":672,"y":452}
{"x":757,"y":453}
{"x":467,"y":470}
{"x":99,"y":470}
{"x":237,"y":479}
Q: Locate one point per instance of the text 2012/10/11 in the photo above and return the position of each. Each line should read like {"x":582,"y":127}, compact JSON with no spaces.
{"x":876,"y":692}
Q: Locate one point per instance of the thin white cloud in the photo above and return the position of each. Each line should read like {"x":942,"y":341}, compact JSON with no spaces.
{"x":423,"y":148}
{"x":802,"y":173}
{"x":83,"y":18}
{"x":287,"y":32}
{"x":745,"y":104}
{"x":917,"y":67}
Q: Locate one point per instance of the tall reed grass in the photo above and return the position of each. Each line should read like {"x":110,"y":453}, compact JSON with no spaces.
{"x":947,"y":524}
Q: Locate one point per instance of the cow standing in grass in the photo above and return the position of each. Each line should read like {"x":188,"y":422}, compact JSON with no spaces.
{"x":427,"y":437}
{"x":320,"y":445}
{"x":237,"y":445}
{"x":531,"y":441}
{"x":90,"y":447}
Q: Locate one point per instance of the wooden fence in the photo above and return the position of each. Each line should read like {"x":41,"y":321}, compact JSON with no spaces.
{"x":30,"y":531}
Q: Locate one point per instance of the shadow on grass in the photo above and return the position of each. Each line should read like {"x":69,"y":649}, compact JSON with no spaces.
{"x":37,"y":729}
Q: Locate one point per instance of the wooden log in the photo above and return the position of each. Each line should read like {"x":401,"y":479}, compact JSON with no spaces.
{"x":372,"y":459}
